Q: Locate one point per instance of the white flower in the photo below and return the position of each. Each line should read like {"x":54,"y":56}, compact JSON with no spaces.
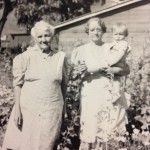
{"x":58,"y":147}
{"x":136,"y":131}
{"x":127,"y":133}
{"x":147,"y":143}
{"x":133,"y":126}
{"x":123,"y":139}
{"x":146,"y":133}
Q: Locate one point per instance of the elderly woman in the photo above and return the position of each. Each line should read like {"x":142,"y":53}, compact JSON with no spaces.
{"x":99,"y":116}
{"x":39,"y":87}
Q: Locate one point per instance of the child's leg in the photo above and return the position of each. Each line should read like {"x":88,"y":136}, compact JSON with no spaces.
{"x":116,"y":91}
{"x":119,"y":120}
{"x":84,"y":146}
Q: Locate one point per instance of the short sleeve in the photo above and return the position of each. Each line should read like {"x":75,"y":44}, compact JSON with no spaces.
{"x":74,"y":56}
{"x":78,"y":55}
{"x":19,"y":69}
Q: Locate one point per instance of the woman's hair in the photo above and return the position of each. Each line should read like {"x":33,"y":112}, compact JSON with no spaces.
{"x":100,"y":22}
{"x":121,"y":28}
{"x":42,"y":25}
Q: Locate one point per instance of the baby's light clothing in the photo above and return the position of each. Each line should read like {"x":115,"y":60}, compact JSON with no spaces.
{"x":115,"y":55}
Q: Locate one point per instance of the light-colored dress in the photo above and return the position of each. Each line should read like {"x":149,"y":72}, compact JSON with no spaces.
{"x":98,"y":113}
{"x":41,"y":100}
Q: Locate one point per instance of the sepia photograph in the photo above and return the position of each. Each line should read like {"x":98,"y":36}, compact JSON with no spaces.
{"x":74,"y":74}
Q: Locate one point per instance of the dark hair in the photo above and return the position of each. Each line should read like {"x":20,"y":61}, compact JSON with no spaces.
{"x":120,"y":26}
{"x":100,"y":22}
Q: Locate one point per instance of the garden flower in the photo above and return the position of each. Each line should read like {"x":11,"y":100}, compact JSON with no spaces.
{"x":121,"y":138}
{"x":147,"y":143}
{"x":127,"y":133}
{"x":136,"y":131}
{"x":133,"y":126}
{"x":146,"y":133}
{"x":148,"y":119}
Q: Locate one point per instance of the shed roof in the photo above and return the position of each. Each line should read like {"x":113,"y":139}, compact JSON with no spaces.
{"x":93,"y":14}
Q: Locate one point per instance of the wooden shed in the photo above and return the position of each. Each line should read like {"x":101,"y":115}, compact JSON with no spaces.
{"x":18,"y":39}
{"x":134,"y":13}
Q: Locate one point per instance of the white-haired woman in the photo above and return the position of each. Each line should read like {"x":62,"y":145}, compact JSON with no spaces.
{"x":39,"y":87}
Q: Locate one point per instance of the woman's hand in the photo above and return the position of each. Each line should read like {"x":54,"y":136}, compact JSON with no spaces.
{"x":18,"y":118}
{"x":82,"y":66}
{"x":109,"y":70}
{"x":118,"y":70}
{"x":18,"y":115}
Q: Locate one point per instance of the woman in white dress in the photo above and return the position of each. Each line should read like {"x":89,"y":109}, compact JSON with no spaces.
{"x":39,"y":74}
{"x":99,"y":116}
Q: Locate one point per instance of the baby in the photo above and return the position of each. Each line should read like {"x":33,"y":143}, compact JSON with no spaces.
{"x":116,"y":56}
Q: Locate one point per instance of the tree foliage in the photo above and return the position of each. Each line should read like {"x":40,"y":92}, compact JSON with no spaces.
{"x":28,"y":12}
{"x":53,"y":11}
{"x":7,"y":6}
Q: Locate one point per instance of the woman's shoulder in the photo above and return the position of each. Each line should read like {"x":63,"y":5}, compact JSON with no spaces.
{"x":78,"y":53}
{"x":25,"y":55}
{"x":107,"y":44}
{"x":80,"y":49}
{"x":61,"y":53}
{"x":17,"y":59}
{"x":58,"y":53}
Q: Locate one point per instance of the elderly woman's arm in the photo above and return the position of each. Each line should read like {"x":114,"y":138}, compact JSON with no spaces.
{"x":19,"y":68}
{"x":18,"y":115}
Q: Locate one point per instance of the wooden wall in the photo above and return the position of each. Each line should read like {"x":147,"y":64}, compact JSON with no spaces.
{"x":18,"y":39}
{"x":136,"y":17}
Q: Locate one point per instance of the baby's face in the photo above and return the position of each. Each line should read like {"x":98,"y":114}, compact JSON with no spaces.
{"x":118,"y":36}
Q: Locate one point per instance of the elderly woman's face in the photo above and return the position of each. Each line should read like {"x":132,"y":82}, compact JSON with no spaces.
{"x":43,"y":39}
{"x":95,"y":31}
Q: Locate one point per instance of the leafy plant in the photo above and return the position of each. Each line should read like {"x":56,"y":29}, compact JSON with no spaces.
{"x":71,"y":125}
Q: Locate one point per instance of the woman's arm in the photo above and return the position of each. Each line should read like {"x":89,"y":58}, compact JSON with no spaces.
{"x":118,"y":70}
{"x":19,"y":67}
{"x":64,"y":84}
{"x":18,"y":115}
